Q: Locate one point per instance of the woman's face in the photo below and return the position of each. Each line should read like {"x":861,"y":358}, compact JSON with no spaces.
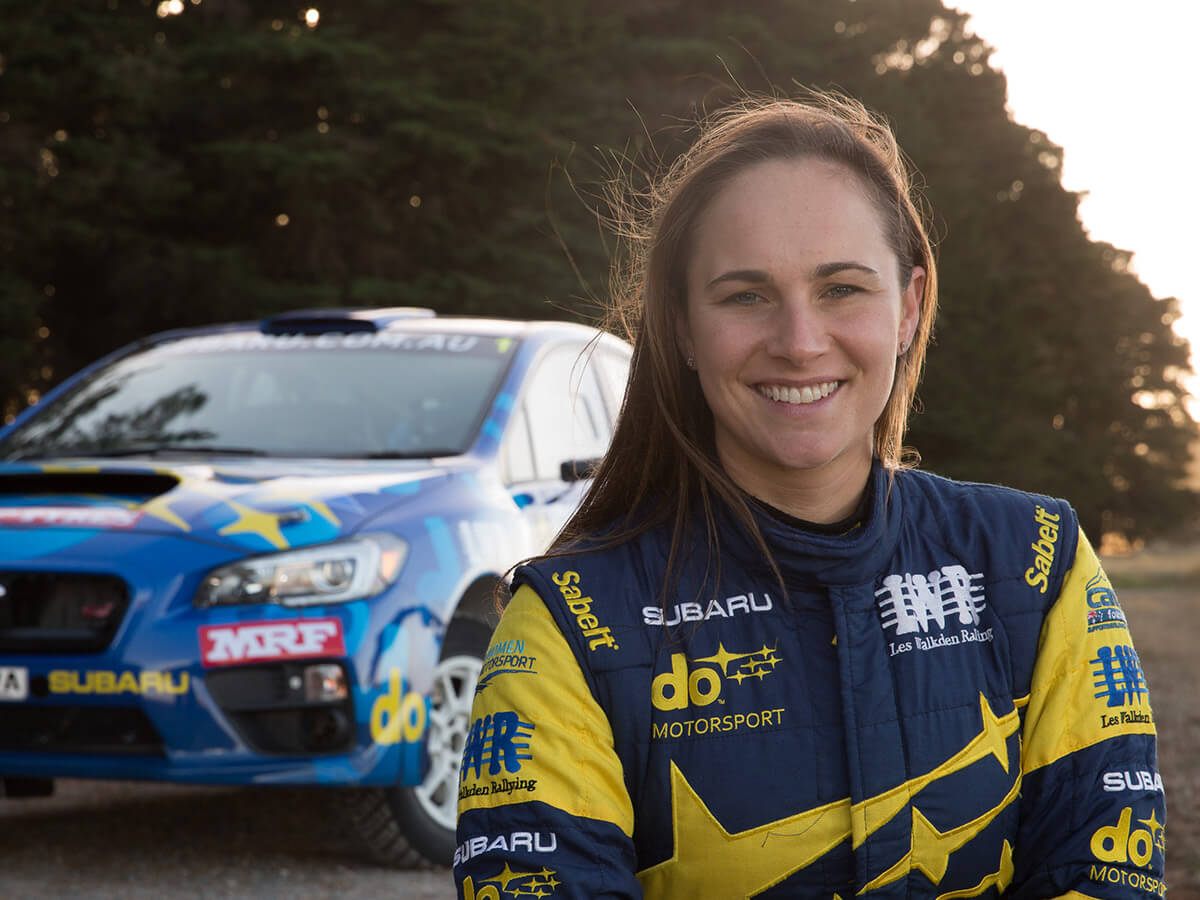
{"x":795,"y":317}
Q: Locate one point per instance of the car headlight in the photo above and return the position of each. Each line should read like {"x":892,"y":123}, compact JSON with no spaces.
{"x":331,"y":573}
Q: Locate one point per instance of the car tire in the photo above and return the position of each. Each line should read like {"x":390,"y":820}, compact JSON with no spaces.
{"x":412,"y":827}
{"x":17,"y":786}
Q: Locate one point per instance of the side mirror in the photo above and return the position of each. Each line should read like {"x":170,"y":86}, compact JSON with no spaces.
{"x":579,"y":469}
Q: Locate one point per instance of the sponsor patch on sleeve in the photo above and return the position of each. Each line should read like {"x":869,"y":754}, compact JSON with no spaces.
{"x":534,"y":738}
{"x":512,"y":883}
{"x":1088,"y":683}
{"x":1130,"y":851}
{"x":506,"y":657}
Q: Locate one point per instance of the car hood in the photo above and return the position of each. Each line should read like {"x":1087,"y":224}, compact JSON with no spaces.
{"x":257,"y":505}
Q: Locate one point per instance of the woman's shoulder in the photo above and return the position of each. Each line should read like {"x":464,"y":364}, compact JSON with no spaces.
{"x":610,"y":573}
{"x":607,"y":557}
{"x":1002,"y":528}
{"x":926,"y":490}
{"x":596,"y":591}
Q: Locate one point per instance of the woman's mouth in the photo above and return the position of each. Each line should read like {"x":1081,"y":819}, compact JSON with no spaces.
{"x":810,"y":393}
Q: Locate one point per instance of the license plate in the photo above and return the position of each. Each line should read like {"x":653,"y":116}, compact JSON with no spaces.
{"x":14,"y":683}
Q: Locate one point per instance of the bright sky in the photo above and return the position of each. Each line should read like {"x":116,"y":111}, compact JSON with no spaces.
{"x":1113,"y":82}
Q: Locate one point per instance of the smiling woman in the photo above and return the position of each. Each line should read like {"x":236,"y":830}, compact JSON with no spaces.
{"x":795,"y":341}
{"x":766,"y":655}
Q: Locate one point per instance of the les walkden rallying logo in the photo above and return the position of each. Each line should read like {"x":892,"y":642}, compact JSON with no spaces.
{"x":498,"y":744}
{"x":949,"y":598}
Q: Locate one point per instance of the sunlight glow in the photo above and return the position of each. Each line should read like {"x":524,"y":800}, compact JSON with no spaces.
{"x":1103,"y":80}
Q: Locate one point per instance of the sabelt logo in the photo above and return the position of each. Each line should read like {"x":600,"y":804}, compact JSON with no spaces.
{"x":581,"y":607}
{"x":1043,"y":549}
{"x":226,"y":645}
{"x":703,"y":683}
{"x":1122,"y":842}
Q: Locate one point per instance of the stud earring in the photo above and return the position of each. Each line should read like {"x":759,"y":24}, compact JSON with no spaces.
{"x":691,"y":362}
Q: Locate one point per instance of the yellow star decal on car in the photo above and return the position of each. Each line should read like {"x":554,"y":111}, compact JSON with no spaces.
{"x":255,"y":521}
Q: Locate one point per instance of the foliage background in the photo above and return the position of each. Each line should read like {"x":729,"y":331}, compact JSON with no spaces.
{"x":214,"y":160}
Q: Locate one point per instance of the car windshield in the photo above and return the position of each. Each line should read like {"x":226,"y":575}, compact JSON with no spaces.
{"x":387,"y":394}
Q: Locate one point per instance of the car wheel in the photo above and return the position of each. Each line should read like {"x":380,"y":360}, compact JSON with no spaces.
{"x":414,"y":826}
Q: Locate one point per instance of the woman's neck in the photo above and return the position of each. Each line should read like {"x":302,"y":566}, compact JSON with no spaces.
{"x":825,"y":495}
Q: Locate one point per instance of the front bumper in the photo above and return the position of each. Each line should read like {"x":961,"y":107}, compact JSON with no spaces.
{"x":177,"y":693}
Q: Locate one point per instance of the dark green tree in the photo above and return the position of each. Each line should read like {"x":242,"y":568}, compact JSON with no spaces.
{"x":165,"y":165}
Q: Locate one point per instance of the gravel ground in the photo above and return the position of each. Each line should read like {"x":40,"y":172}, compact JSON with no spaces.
{"x":131,"y":841}
{"x":1166,"y":624}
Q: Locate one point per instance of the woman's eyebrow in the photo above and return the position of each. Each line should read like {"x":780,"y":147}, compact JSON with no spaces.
{"x":755,"y":276}
{"x":758,"y":276}
{"x":832,"y":268}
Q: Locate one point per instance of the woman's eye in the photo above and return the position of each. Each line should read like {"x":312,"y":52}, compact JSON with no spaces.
{"x":839,"y":291}
{"x":743,"y":298}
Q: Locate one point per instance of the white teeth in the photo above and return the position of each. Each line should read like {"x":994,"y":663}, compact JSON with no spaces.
{"x":806,"y":394}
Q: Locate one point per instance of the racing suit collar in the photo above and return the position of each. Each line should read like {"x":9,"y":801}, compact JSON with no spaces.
{"x":853,"y":557}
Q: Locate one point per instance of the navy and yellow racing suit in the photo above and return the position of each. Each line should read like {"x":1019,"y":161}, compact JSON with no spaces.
{"x":945,"y":703}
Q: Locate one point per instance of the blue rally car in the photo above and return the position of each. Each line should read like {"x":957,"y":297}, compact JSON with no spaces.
{"x":266,"y":553}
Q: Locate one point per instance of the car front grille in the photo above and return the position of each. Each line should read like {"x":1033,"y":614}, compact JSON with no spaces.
{"x":51,"y":612}
{"x":121,"y":730}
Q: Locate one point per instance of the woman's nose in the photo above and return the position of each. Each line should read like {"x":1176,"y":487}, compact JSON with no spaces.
{"x":798,"y":331}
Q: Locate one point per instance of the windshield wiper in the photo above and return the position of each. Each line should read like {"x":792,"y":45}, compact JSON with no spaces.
{"x":210,"y":450}
{"x":151,"y":450}
{"x":410,"y":454}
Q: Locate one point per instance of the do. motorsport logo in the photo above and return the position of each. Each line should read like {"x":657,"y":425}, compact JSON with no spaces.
{"x":691,"y":685}
{"x":1123,"y":843}
{"x":509,"y":883}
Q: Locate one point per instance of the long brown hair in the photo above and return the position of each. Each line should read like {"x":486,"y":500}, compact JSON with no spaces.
{"x":661,"y":465}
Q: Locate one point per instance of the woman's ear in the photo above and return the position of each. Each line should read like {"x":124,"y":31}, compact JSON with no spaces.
{"x":910,"y":307}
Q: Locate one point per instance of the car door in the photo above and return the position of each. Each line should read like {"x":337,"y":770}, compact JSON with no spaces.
{"x":562,"y":417}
